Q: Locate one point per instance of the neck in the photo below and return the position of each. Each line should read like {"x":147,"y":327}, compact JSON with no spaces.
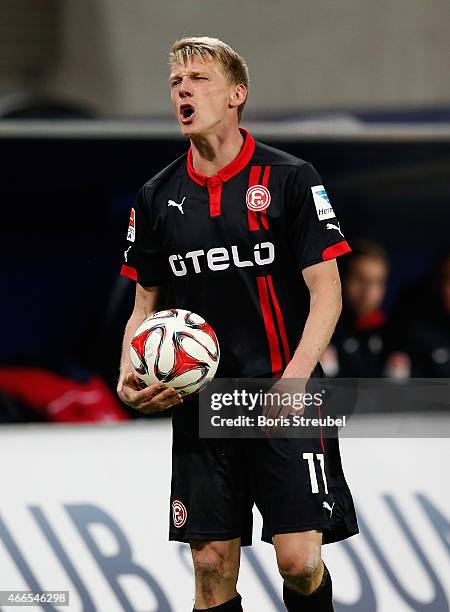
{"x":213,"y":152}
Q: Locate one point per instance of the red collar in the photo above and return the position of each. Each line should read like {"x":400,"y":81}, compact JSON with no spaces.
{"x":233,"y":168}
{"x":371,"y":321}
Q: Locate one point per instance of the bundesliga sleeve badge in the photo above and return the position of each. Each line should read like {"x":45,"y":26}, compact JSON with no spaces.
{"x":322,"y":202}
{"x":131,"y":227}
{"x":258,"y":198}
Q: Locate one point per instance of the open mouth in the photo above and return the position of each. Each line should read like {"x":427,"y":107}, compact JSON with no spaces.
{"x":186,"y":112}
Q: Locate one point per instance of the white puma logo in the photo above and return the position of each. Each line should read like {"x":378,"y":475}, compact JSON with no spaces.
{"x":178,"y":205}
{"x":327,"y":506}
{"x":125,"y":253}
{"x":336,"y":227}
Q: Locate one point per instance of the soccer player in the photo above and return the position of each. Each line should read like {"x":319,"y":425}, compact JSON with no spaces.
{"x":242,"y":234}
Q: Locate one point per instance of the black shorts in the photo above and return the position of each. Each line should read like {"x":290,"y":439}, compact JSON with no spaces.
{"x":216,"y":482}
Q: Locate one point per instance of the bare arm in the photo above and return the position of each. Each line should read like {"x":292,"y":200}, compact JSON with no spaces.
{"x":145,"y":304}
{"x":155,"y":397}
{"x":324,"y":287}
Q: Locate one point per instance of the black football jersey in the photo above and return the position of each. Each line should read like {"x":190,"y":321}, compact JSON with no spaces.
{"x":231,"y":248}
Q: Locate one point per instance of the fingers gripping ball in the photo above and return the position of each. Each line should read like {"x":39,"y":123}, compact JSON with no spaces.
{"x":175,"y":347}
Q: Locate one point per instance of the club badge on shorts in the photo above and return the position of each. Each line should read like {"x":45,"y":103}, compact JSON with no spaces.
{"x":258,"y":198}
{"x":179,"y":513}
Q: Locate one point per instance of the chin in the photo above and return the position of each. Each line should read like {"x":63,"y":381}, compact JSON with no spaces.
{"x":189,"y":130}
{"x":189,"y":133}
{"x":195,"y":130}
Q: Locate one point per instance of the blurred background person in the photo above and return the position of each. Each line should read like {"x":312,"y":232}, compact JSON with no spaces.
{"x":360,"y":347}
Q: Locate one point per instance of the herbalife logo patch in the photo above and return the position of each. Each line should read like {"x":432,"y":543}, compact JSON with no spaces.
{"x":322,"y":202}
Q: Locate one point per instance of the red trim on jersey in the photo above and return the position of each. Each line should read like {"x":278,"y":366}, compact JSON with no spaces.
{"x":265,"y":183}
{"x":233,"y":168}
{"x":215,"y":195}
{"x":242,"y":160}
{"x":253,"y":180}
{"x":129,"y":271}
{"x":269,"y":324}
{"x":195,"y":176}
{"x":335,"y":250}
{"x":280,"y":320}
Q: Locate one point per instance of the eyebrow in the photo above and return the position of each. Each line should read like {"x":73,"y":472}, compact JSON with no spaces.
{"x":190,"y":73}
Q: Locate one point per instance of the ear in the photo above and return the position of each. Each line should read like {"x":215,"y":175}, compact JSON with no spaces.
{"x":237,"y":96}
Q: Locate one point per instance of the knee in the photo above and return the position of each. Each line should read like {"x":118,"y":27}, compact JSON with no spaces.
{"x":300,"y":568}
{"x":213,"y":560}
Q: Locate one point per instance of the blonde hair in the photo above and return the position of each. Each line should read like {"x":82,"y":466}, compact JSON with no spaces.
{"x":212,"y":49}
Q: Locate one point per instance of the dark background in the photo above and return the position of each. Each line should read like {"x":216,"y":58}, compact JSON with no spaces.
{"x":65,"y":210}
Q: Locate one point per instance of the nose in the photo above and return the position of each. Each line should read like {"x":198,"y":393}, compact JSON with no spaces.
{"x":184,"y":90}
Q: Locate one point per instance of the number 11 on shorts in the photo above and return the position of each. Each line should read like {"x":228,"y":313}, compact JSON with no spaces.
{"x":309,"y":457}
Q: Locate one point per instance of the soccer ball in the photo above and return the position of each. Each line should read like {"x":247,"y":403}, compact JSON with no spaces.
{"x":176,"y":347}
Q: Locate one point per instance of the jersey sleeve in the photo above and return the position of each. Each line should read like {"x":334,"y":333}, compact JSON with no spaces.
{"x":143,"y":255}
{"x":315,"y":232}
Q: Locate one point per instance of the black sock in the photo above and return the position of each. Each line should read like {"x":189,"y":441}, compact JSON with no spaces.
{"x":320,"y":600}
{"x":233,"y":605}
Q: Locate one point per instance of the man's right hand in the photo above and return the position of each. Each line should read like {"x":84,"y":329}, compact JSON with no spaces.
{"x":153,"y":398}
